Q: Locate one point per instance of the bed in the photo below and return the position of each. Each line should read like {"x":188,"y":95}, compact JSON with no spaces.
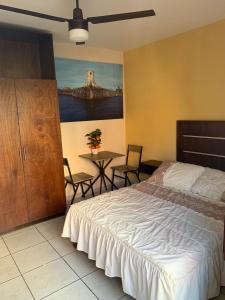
{"x":164,"y":243}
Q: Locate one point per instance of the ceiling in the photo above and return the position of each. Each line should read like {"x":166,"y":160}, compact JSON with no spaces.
{"x":172,"y":17}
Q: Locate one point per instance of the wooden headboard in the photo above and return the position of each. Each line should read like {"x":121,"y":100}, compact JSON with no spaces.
{"x":201,"y":143}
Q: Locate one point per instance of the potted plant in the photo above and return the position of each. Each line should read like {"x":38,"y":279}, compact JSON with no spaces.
{"x":94,"y":140}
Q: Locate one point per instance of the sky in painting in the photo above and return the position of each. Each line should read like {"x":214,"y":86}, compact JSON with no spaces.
{"x":73,"y":73}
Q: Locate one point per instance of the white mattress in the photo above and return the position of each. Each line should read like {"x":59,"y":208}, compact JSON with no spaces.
{"x":161,"y":250}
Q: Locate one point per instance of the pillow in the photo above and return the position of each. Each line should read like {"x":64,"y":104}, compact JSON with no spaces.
{"x":210,"y":184}
{"x":182,"y":176}
{"x":157,"y":176}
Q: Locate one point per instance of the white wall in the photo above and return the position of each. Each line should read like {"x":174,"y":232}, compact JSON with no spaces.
{"x":73,"y":134}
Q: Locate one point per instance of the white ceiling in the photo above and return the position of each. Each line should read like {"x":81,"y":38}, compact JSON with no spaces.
{"x":173,"y":17}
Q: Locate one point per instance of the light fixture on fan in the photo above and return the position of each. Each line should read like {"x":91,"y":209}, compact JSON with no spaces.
{"x":79,"y":35}
{"x":78,"y":31}
{"x":78,"y":26}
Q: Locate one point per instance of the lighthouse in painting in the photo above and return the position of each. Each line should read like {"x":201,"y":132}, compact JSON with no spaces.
{"x":91,"y":79}
{"x":90,"y":91}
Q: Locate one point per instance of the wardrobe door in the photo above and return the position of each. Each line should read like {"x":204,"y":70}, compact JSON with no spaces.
{"x":41,"y":147}
{"x":13,"y":203}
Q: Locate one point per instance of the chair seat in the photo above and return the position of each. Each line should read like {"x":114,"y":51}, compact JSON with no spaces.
{"x":79,"y":178}
{"x":124,"y":168}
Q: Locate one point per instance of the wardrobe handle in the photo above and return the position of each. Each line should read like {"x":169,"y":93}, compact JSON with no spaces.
{"x":24,"y":154}
{"x":20,"y":154}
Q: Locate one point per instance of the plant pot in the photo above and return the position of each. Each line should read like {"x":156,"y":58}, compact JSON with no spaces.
{"x":94,"y":151}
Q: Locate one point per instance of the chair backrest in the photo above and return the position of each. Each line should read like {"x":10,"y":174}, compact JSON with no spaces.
{"x":134,"y":148}
{"x":66,"y":164}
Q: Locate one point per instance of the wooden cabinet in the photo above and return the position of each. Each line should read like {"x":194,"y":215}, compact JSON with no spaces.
{"x":13,"y":202}
{"x":31,"y":169}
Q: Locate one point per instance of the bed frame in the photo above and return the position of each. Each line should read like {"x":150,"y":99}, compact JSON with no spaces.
{"x":202,"y":143}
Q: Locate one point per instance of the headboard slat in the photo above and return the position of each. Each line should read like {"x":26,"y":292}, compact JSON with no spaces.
{"x":201,"y":143}
{"x":204,"y":145}
{"x":204,"y":153}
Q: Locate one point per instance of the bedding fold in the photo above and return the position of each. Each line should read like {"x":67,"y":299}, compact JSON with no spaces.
{"x":161,"y":248}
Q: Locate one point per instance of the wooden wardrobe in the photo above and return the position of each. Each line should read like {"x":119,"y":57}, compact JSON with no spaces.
{"x":31,"y":168}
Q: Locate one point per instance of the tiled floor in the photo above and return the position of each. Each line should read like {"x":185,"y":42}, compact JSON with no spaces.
{"x":36,"y":263}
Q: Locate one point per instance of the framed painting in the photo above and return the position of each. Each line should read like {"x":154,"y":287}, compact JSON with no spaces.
{"x":89,"y":90}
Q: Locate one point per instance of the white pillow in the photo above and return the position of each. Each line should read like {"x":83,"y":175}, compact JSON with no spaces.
{"x":210,"y":184}
{"x":182,"y":176}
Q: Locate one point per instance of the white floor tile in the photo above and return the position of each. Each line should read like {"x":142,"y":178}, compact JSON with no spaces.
{"x":3,"y":249}
{"x":34,"y":257}
{"x":22,"y":239}
{"x":104,"y":287}
{"x":8,"y":269}
{"x":51,"y":228}
{"x":50,"y":278}
{"x":15,"y":289}
{"x":75,"y":291}
{"x":62,"y":245}
{"x":15,"y":232}
{"x":80,"y":263}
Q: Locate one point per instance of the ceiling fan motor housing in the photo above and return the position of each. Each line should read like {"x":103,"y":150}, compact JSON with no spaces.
{"x":78,"y":24}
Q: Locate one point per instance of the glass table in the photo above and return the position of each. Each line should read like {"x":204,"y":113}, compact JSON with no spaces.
{"x":101,"y":161}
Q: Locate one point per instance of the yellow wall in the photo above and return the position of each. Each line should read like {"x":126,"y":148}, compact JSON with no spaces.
{"x":182,"y":77}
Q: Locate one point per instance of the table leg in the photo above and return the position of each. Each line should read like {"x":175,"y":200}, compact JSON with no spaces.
{"x":105,"y":183}
{"x":100,"y":191}
{"x":100,"y":166}
{"x":105,"y":176}
{"x":91,"y":186}
{"x":102,"y":175}
{"x":113,"y":184}
{"x":103,"y":167}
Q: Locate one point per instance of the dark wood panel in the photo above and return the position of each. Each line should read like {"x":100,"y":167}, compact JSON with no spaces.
{"x":204,"y":145}
{"x":26,"y":54}
{"x":13,"y":204}
{"x":18,"y":33}
{"x":41,"y":141}
{"x":19,"y":60}
{"x":205,"y":160}
{"x":46,"y":53}
{"x":202,"y":128}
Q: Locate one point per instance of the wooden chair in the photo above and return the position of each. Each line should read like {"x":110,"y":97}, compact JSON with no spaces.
{"x":77,"y":180}
{"x":125,"y":169}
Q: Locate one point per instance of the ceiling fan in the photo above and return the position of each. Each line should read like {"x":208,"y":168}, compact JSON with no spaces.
{"x":78,"y":26}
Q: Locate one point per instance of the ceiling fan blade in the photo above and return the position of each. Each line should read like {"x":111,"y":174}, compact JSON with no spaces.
{"x":32,"y":13}
{"x":121,"y":17}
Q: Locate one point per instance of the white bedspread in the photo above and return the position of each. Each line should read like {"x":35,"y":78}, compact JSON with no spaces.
{"x":161,"y":250}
